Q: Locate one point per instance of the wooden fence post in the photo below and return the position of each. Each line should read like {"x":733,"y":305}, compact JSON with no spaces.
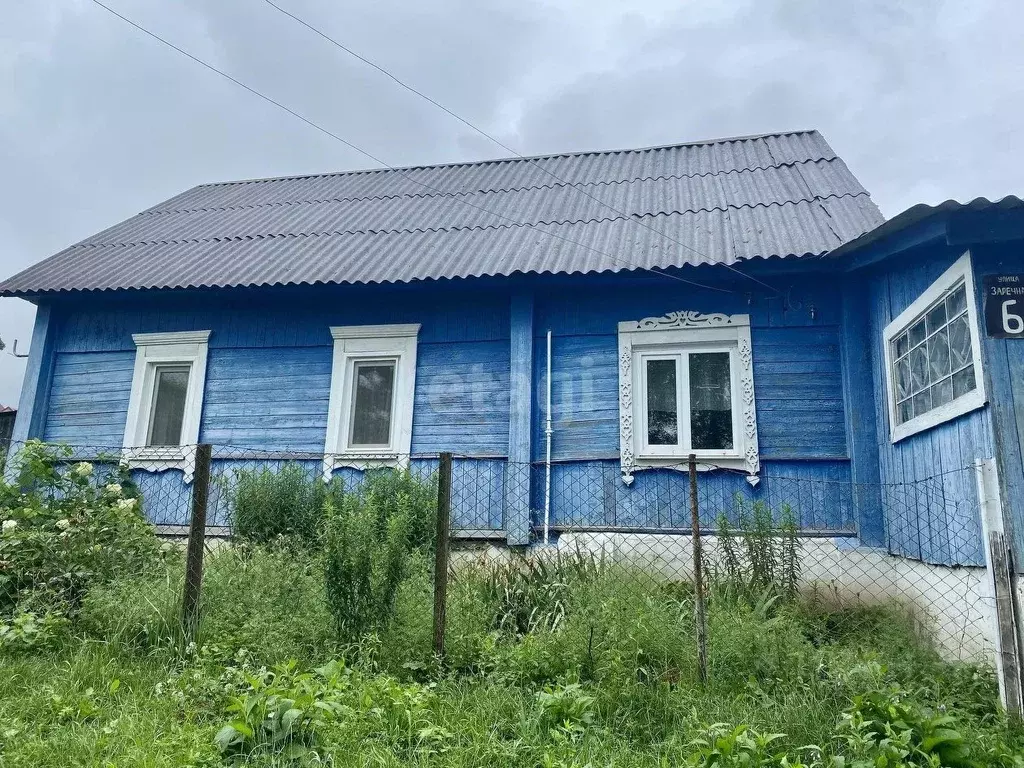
{"x":444,"y":511}
{"x":699,"y":606}
{"x":196,"y":544}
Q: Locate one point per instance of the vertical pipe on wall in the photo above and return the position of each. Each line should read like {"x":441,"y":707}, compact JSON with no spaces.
{"x":547,"y":448}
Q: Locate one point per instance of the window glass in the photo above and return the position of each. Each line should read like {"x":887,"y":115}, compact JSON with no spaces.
{"x":170,"y":389}
{"x":373,"y":403}
{"x":933,"y":359}
{"x":710,"y":401}
{"x":662,"y":405}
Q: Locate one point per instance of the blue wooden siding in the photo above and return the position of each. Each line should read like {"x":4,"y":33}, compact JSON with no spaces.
{"x":1004,"y":374}
{"x":275,"y":400}
{"x":929,"y":495}
{"x":269,"y":368}
{"x":462,"y":398}
{"x":797,"y":372}
{"x":589,"y":494}
{"x":89,"y":398}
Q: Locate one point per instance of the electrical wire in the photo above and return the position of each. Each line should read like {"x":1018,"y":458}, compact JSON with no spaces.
{"x":374,"y":158}
{"x":504,"y":146}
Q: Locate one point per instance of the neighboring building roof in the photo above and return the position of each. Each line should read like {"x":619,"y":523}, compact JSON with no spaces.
{"x":784,"y":194}
{"x":921,"y":213}
{"x":7,"y":409}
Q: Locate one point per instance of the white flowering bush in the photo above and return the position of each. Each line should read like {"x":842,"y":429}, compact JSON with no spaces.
{"x":65,"y":526}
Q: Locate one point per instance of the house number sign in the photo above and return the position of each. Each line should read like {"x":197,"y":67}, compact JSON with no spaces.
{"x":1004,"y":306}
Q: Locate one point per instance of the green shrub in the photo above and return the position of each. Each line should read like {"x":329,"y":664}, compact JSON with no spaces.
{"x":280,"y":712}
{"x":32,"y":632}
{"x":64,"y":528}
{"x":371,"y":537}
{"x":268,"y":504}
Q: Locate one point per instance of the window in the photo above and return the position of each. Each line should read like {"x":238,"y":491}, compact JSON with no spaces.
{"x":170,"y":390}
{"x":933,"y":355}
{"x":696,"y":384}
{"x":166,"y":400}
{"x":372,"y":386}
{"x":686,"y":386}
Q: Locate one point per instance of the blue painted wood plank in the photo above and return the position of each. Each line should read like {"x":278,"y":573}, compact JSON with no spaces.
{"x":859,"y":414}
{"x":459,"y":315}
{"x":33,"y":405}
{"x":277,"y":396}
{"x":460,"y":385}
{"x":520,"y":451}
{"x":89,"y":398}
{"x":928,"y":497}
{"x":591,"y":494}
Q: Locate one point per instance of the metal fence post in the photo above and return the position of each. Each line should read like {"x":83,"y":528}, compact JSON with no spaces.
{"x":196,"y":543}
{"x":699,"y":607}
{"x":444,"y":510}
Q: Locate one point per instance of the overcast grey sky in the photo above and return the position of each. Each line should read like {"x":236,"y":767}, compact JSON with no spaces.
{"x":923,"y":99}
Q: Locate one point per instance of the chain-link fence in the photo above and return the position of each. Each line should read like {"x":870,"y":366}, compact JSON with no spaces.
{"x":858,"y":555}
{"x":605,"y":556}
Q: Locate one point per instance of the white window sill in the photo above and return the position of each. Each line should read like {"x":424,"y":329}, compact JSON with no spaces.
{"x":704,"y":464}
{"x":972,"y":401}
{"x":362,"y":460}
{"x":162,"y":459}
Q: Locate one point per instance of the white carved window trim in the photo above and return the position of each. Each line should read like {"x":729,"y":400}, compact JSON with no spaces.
{"x":690,"y":331}
{"x":364,"y":343}
{"x":960,"y":273}
{"x":153,"y":351}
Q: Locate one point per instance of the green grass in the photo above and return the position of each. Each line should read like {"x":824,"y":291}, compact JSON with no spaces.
{"x":599,"y":671}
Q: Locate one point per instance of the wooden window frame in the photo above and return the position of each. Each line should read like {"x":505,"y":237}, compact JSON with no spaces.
{"x":678,"y":335}
{"x":960,"y":272}
{"x":154,"y":351}
{"x":370,"y":343}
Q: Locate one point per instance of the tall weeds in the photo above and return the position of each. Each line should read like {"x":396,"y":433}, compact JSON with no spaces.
{"x":289,"y":502}
{"x":372,"y":540}
{"x":759,"y":556}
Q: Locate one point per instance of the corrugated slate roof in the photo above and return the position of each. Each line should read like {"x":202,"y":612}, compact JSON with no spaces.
{"x":717,"y":201}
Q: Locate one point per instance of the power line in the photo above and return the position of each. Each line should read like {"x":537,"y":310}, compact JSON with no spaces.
{"x":501,"y":144}
{"x":376,"y":159}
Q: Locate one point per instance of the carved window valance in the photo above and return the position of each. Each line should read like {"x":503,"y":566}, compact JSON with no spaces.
{"x":686,"y":385}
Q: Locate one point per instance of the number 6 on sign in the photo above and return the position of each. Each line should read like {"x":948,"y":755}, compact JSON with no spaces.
{"x":1012,"y":322}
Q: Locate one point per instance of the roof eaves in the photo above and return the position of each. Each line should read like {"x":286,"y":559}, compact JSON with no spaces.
{"x":919,"y":224}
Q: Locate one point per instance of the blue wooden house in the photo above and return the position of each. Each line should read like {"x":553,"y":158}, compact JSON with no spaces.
{"x":739,"y":299}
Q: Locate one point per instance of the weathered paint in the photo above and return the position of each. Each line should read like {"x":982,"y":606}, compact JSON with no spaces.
{"x":928,"y":490}
{"x":517,"y":486}
{"x":268,"y":378}
{"x":35,"y":392}
{"x":1004,"y":373}
{"x":797,"y":369}
{"x":478,"y":488}
{"x":588,"y":494}
{"x":861,"y":428}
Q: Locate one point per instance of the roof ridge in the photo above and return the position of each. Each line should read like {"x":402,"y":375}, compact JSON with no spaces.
{"x":512,"y":159}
